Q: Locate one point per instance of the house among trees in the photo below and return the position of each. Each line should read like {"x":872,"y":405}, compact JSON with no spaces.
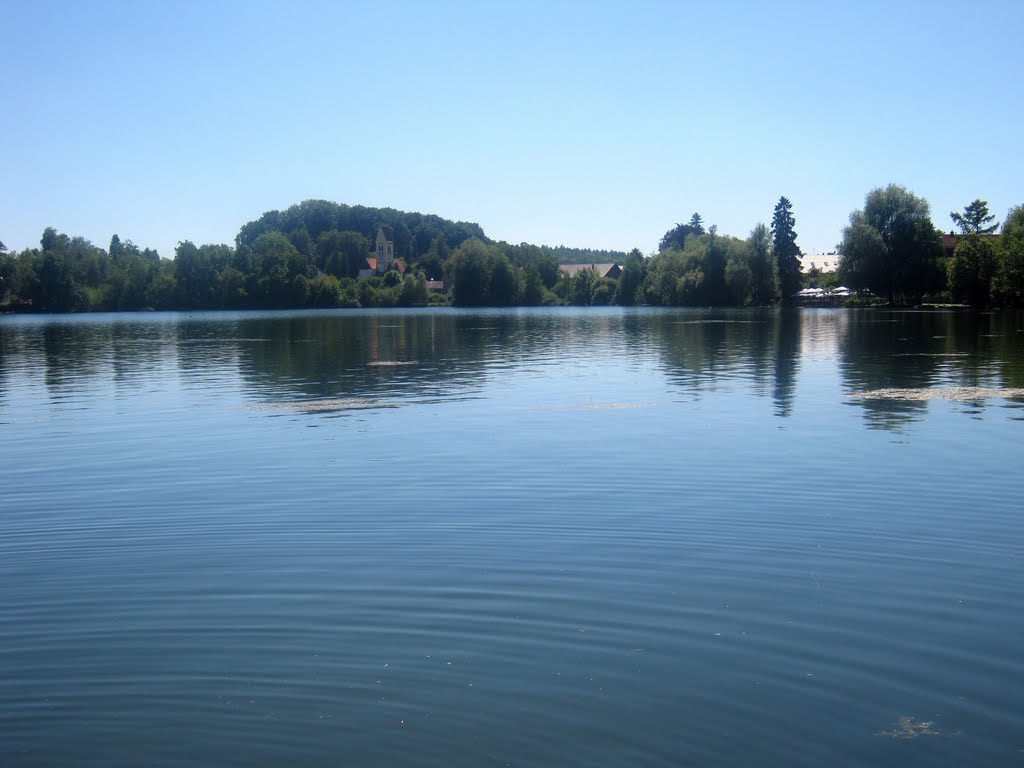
{"x":824,"y":262}
{"x":613,"y":270}
{"x":384,"y":255}
{"x":951,"y":240}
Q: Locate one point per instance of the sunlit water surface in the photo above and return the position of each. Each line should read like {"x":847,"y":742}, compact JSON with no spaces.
{"x":527,"y":538}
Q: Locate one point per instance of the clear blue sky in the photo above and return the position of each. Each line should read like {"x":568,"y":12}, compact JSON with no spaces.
{"x":587,"y":124}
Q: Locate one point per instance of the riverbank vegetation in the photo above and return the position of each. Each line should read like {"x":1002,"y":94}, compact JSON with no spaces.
{"x":319,"y":254}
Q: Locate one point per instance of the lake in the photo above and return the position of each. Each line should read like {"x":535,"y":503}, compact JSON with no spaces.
{"x":565,"y":537}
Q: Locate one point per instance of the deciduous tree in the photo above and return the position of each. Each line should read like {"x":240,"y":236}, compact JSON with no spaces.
{"x":761,"y":268}
{"x":1008,"y":285}
{"x":676,"y":237}
{"x":971,"y":271}
{"x":891,"y":246}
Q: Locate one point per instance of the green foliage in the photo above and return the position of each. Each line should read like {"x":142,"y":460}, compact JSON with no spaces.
{"x":275,"y":266}
{"x":1008,"y":283}
{"x":676,"y":237}
{"x":583,"y":284}
{"x":785,"y":249}
{"x":506,"y":282}
{"x":533,"y":287}
{"x":484,"y":276}
{"x":196,"y":271}
{"x":471,"y":266}
{"x":562,"y":254}
{"x":323,"y":291}
{"x":633,"y":273}
{"x":740,"y":279}
{"x":762,"y":270}
{"x":677,"y":277}
{"x":816,"y":278}
{"x":432,"y":264}
{"x":413,"y":233}
{"x":710,"y":270}
{"x":342,"y":254}
{"x":162,"y":291}
{"x":975,"y":219}
{"x":413,"y":291}
{"x":971,"y":271}
{"x":891,"y":246}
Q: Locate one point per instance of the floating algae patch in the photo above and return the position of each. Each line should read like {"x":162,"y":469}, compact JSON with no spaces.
{"x":909,"y":728}
{"x":312,"y":406}
{"x":957,"y":394}
{"x":390,"y":363}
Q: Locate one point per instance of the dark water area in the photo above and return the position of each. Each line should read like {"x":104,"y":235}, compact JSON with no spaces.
{"x":572,"y":537}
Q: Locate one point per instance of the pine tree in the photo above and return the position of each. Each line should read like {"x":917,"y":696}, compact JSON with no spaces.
{"x":974,"y":219}
{"x":787,"y":252}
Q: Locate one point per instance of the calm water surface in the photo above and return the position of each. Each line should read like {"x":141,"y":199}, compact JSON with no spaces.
{"x":533,"y":538}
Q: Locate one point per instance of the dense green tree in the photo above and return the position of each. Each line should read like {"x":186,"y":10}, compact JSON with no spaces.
{"x":739,"y":277}
{"x":605,"y":291}
{"x":891,"y":246}
{"x":471,"y":267}
{"x":342,"y":254}
{"x":323,"y":291}
{"x":564,"y":255}
{"x":633,"y":273}
{"x":424,"y":236}
{"x":116,"y":251}
{"x":229,"y":288}
{"x":506,"y":283}
{"x":303,"y":241}
{"x":785,"y":249}
{"x":975,"y":219}
{"x":762,"y":270}
{"x":196,"y":270}
{"x":676,"y":237}
{"x":710,"y":270}
{"x":971,"y":271}
{"x":1008,"y":284}
{"x":533,"y":287}
{"x":57,"y":290}
{"x":413,"y":292}
{"x":162,"y":291}
{"x":547,"y":267}
{"x":715,"y":261}
{"x":678,"y":276}
{"x":583,"y":284}
{"x":274,"y":265}
{"x":433,"y":261}
{"x":51,"y":239}
{"x":7,"y":269}
{"x":319,"y":216}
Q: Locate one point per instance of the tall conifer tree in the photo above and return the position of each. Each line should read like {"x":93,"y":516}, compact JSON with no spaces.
{"x":787,"y":252}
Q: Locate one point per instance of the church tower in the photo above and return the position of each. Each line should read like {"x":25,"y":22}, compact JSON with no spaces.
{"x":385,"y":250}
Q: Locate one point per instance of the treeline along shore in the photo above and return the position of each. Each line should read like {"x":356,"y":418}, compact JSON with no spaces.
{"x":319,"y":254}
